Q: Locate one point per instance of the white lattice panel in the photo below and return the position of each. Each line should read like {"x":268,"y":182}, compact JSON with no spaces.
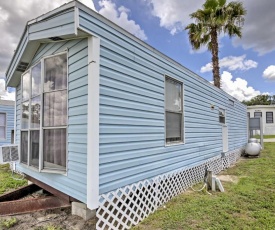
{"x":127,"y":206}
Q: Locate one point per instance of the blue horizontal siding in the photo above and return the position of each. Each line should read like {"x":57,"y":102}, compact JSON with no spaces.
{"x":59,"y":25}
{"x":132,"y":128}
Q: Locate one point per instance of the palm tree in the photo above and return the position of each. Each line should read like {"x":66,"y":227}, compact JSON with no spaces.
{"x":215,"y":17}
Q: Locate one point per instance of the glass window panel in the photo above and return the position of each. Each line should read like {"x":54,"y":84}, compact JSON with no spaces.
{"x":2,"y":132}
{"x":54,"y":150}
{"x":173,"y":95}
{"x":35,"y":112}
{"x":34,"y":148}
{"x":269,"y":117}
{"x":55,"y":108}
{"x":24,"y":147}
{"x":257,"y":114}
{"x":173,"y":126}
{"x":26,"y":86}
{"x":55,"y":73}
{"x":2,"y":119}
{"x":25,"y":115}
{"x":36,"y":80}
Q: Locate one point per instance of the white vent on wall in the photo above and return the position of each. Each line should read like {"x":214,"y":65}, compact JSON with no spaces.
{"x":8,"y":153}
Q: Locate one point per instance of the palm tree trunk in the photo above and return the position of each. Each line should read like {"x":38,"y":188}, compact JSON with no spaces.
{"x":215,"y":58}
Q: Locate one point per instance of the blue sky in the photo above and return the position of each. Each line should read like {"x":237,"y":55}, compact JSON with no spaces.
{"x":247,"y":65}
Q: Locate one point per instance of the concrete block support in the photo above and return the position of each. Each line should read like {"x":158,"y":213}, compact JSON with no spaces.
{"x":81,"y":210}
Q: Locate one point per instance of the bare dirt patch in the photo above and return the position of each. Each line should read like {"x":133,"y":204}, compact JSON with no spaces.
{"x":51,"y":219}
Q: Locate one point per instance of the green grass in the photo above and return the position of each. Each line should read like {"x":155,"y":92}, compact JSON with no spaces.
{"x":8,"y":223}
{"x":265,"y":136}
{"x":8,"y":181}
{"x":248,"y":204}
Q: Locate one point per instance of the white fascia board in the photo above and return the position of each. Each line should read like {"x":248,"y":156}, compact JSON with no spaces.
{"x":93,"y":123}
{"x":53,"y":12}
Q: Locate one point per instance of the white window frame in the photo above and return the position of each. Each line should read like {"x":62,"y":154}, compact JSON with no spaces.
{"x":222,"y":116}
{"x":5,"y":127}
{"x":41,"y":128}
{"x":182,"y":141}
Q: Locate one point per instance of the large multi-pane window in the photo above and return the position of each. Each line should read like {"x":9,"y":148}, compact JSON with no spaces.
{"x":269,"y":117}
{"x":3,"y":125}
{"x":44,"y":114}
{"x":173,"y":111}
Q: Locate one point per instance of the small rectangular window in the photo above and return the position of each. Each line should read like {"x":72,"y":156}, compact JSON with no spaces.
{"x":173,"y":111}
{"x":3,"y":120}
{"x":231,"y":102}
{"x":222,"y":116}
{"x":269,"y":117}
{"x":248,"y":114}
{"x":257,"y":114}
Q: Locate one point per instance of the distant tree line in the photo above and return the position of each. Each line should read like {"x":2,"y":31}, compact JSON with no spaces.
{"x":261,"y":100}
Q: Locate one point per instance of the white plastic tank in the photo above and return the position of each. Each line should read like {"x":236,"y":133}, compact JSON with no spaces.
{"x":253,"y":148}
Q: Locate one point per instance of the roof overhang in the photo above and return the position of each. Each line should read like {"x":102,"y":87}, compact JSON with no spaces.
{"x":59,"y":24}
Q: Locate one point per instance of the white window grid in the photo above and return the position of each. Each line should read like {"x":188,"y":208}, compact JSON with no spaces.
{"x":41,"y":129}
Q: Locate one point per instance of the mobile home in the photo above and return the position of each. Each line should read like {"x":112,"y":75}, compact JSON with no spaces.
{"x":105,"y":119}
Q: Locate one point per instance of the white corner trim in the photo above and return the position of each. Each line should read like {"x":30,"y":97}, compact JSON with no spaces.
{"x":76,"y":20}
{"x":93,"y":123}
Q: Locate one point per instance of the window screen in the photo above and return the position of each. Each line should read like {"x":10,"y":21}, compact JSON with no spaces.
{"x":173,"y":111}
{"x":2,"y":126}
{"x":269,"y":117}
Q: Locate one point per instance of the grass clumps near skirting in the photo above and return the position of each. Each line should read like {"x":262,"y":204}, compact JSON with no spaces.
{"x":246,"y":204}
{"x":8,"y":223}
{"x":8,"y":180}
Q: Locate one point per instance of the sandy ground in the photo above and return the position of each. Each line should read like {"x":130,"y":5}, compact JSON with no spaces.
{"x":60,"y":218}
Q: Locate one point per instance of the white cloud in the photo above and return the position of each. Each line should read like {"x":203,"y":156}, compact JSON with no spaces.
{"x":13,"y":18}
{"x":120,"y":17}
{"x":258,"y":32}
{"x":269,"y":73}
{"x":238,"y":88}
{"x":174,"y":14}
{"x":232,"y":63}
{"x":5,"y":94}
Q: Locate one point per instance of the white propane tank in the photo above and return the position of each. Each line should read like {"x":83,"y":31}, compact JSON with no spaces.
{"x":253,"y":149}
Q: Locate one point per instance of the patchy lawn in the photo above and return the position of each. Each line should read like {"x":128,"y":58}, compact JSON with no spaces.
{"x":9,"y":181}
{"x":265,"y":136}
{"x":247,"y":204}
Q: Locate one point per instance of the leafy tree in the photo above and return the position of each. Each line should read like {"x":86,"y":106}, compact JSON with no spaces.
{"x":261,"y":100}
{"x":214,"y":18}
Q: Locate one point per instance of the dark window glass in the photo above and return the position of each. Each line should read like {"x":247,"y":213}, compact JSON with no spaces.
{"x":24,"y":147}
{"x":257,"y":114}
{"x":269,"y":117}
{"x":173,"y":110}
{"x":54,"y":150}
{"x":34,"y":148}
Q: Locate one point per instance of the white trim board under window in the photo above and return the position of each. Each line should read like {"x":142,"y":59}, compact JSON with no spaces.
{"x":3,"y":126}
{"x":174,"y":122}
{"x":43,"y":143}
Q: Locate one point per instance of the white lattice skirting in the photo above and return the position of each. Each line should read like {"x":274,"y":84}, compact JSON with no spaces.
{"x":127,"y":206}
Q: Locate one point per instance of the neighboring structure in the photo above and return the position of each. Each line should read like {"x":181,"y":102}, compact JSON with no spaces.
{"x":106,"y":119}
{"x":267,"y":112}
{"x":6,"y":122}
